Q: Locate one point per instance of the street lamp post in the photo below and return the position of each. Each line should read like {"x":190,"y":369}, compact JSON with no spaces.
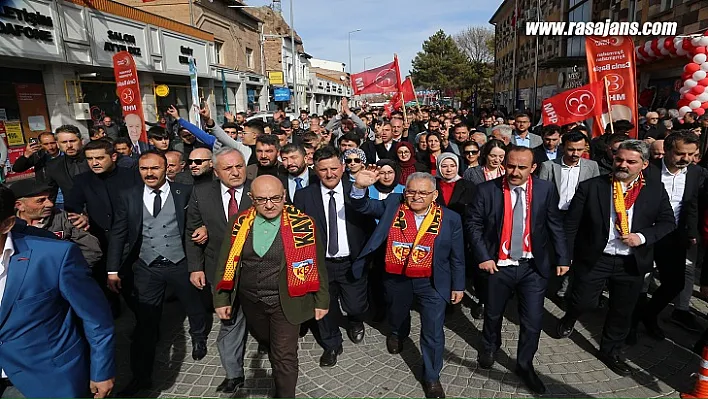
{"x":365,"y":58}
{"x":349,"y":41}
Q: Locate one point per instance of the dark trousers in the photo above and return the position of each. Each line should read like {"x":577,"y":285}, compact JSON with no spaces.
{"x":531,"y":287}
{"x":353,"y":295}
{"x":624,"y":282}
{"x":150,"y":284}
{"x":670,"y":258}
{"x":479,"y":277}
{"x":269,"y":326}
{"x":400,"y":293}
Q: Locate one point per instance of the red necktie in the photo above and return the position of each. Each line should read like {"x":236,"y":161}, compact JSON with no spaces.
{"x":233,"y":204}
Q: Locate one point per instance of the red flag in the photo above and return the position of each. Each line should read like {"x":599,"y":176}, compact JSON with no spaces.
{"x":383,"y":79}
{"x":128,"y":89}
{"x":573,"y":105}
{"x":407,"y":89}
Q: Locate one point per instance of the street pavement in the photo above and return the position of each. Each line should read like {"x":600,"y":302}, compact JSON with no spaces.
{"x":568,"y":367}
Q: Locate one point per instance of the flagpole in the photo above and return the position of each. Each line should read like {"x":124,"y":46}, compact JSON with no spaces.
{"x":609,"y":106}
{"x":417,"y":104}
{"x":399,"y":85}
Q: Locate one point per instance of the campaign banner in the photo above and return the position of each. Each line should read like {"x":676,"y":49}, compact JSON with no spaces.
{"x":33,"y":110}
{"x":196,"y":104}
{"x":612,"y":58}
{"x":381,"y":80}
{"x":13,"y":154}
{"x":128,"y":90}
{"x":573,"y":105}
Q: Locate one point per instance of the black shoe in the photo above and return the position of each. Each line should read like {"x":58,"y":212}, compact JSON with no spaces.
{"x":485,"y":359}
{"x":329,"y":357}
{"x":356,"y":333}
{"x":564,"y":328}
{"x":615,"y":363}
{"x":263,"y":349}
{"x":653,"y":329}
{"x":530,"y":378}
{"x":433,"y":389}
{"x":135,"y":386}
{"x":230,"y":385}
{"x":632,"y":337}
{"x":685,"y":319}
{"x":393,"y":344}
{"x":477,"y":312}
{"x":199,"y":349}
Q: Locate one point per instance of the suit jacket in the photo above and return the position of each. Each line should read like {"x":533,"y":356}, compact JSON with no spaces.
{"x":552,"y":171}
{"x":448,"y":251}
{"x":587,"y":222}
{"x":687,"y":223}
{"x":485,"y":219}
{"x":540,"y":156}
{"x":311,"y":175}
{"x":475,"y":175}
{"x":56,"y":327}
{"x":206,"y":209}
{"x":463,"y":194}
{"x":126,"y":234}
{"x":534,"y":139}
{"x":60,"y":175}
{"x":371,"y":150}
{"x":297,"y":310}
{"x":38,"y":161}
{"x":359,"y":227}
{"x":252,"y":171}
{"x":143,"y":147}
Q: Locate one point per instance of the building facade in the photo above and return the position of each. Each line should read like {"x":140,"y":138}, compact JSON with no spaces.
{"x":328,"y":84}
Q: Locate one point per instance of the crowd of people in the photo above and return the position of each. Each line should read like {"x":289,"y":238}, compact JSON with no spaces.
{"x":278,"y":227}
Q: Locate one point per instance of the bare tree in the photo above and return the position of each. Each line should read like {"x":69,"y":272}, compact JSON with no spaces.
{"x":477,"y":42}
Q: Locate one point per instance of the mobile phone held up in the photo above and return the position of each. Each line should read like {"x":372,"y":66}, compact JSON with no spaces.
{"x":33,"y":141}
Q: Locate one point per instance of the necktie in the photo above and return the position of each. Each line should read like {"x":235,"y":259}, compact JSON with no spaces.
{"x":333,"y":236}
{"x":157,"y":204}
{"x":517,"y":229}
{"x":136,"y":148}
{"x":298,"y":183}
{"x":233,"y":204}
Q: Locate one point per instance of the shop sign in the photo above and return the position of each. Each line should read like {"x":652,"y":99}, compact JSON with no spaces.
{"x":28,"y":28}
{"x":276,"y":78}
{"x":281,"y":94}
{"x":185,"y":52}
{"x":13,"y":130}
{"x":112,"y":35}
{"x":125,"y":41}
{"x":162,"y":90}
{"x":179,"y":49}
{"x":13,"y":154}
{"x":33,"y":107}
{"x":129,"y":95}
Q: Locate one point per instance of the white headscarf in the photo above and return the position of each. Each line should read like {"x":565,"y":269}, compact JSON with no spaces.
{"x":444,"y":156}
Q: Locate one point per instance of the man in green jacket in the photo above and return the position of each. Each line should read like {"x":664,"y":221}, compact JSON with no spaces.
{"x":272,"y":265}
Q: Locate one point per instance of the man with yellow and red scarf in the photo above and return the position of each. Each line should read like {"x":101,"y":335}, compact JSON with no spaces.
{"x":272,"y":265}
{"x":424,"y":260}
{"x":612,"y":225}
{"x":515,"y":225}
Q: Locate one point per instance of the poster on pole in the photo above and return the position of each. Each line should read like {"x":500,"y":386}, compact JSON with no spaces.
{"x":613,"y":58}
{"x":224,"y":92}
{"x":128,"y":90}
{"x":194,"y":114}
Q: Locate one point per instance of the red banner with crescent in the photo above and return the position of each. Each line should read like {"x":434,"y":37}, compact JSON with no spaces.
{"x":573,"y":105}
{"x":128,"y":91}
{"x":612,"y":58}
{"x":383,"y":79}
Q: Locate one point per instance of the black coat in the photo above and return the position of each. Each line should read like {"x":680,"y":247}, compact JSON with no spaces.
{"x":372,"y":150}
{"x":126,"y":233}
{"x":60,"y":172}
{"x":462,"y":195}
{"x":587,"y":222}
{"x":206,"y":209}
{"x":38,"y":160}
{"x":540,"y":156}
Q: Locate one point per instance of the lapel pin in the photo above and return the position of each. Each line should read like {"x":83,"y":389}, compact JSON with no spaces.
{"x":22,"y":259}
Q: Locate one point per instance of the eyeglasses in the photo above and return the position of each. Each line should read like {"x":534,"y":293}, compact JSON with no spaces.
{"x":350,"y":160}
{"x":262,"y":201}
{"x":414,"y":194}
{"x":473,"y":152}
{"x":196,"y":161}
{"x":406,"y":152}
{"x":387,"y":173}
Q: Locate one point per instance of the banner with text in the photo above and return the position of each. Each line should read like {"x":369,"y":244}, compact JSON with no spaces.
{"x":613,"y":58}
{"x":573,"y":105}
{"x":128,"y":90}
{"x":383,"y":79}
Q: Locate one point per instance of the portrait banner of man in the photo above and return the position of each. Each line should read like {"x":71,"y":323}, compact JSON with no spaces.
{"x":128,"y":91}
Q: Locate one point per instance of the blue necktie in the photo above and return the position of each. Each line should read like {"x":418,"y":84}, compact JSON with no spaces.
{"x":298,"y":183}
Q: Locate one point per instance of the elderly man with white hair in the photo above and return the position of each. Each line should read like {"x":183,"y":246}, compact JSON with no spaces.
{"x":503,"y":133}
{"x":652,"y":129}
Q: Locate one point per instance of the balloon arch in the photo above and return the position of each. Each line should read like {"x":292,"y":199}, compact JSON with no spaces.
{"x":694,"y":93}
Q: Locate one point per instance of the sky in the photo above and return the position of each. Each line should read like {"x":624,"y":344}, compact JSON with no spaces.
{"x":387,"y":26}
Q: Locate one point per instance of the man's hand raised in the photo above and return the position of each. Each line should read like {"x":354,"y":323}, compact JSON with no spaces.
{"x":366,"y":177}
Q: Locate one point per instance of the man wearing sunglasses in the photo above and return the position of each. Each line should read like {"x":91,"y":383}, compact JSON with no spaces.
{"x":159,"y":139}
{"x":428,"y":267}
{"x":200,"y":166}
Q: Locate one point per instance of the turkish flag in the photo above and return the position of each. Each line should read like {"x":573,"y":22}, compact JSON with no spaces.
{"x":383,"y":79}
{"x":407,"y":89}
{"x":573,"y":105}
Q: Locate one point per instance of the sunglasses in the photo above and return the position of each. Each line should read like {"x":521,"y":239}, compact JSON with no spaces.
{"x":350,"y":160}
{"x":197,"y":162}
{"x":473,"y":152}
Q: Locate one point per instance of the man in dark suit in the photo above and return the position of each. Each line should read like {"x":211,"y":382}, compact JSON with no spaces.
{"x":60,"y":171}
{"x":433,"y":273}
{"x":615,"y":246}
{"x":212,"y":207}
{"x":344,"y":233}
{"x":512,"y":224}
{"x":682,"y":182}
{"x":57,"y":334}
{"x":298,"y":175}
{"x":384,"y":150}
{"x":549,"y":149}
{"x":37,"y":154}
{"x":277,"y":287}
{"x":147,"y":235}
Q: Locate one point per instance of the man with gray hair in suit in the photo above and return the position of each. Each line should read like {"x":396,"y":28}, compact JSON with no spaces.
{"x":503,"y":133}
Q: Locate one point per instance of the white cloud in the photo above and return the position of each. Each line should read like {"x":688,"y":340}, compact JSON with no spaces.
{"x":387,"y":26}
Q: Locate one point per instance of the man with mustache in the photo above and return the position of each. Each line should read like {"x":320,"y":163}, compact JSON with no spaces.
{"x":513,"y":224}
{"x":267,"y":147}
{"x":612,"y":226}
{"x":682,"y":181}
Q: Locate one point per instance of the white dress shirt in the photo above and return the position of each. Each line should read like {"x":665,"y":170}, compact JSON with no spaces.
{"x":387,"y":146}
{"x":568,"y":184}
{"x":7,"y":253}
{"x":615,"y":246}
{"x":149,"y":197}
{"x":674,"y":184}
{"x":512,"y":189}
{"x":226,"y":197}
{"x":292,"y":184}
{"x":341,"y":219}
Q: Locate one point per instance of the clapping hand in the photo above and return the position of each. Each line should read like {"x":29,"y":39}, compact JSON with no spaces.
{"x":366,"y":177}
{"x":345,"y":106}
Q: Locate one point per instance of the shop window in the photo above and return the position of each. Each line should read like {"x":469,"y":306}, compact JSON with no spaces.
{"x":578,"y":10}
{"x":667,"y":4}
{"x":249,"y":58}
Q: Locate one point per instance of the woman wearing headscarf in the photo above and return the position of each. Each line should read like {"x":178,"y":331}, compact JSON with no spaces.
{"x":354,"y":160}
{"x":453,"y":191}
{"x":491,"y":162}
{"x":387,"y":182}
{"x":405,"y":156}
